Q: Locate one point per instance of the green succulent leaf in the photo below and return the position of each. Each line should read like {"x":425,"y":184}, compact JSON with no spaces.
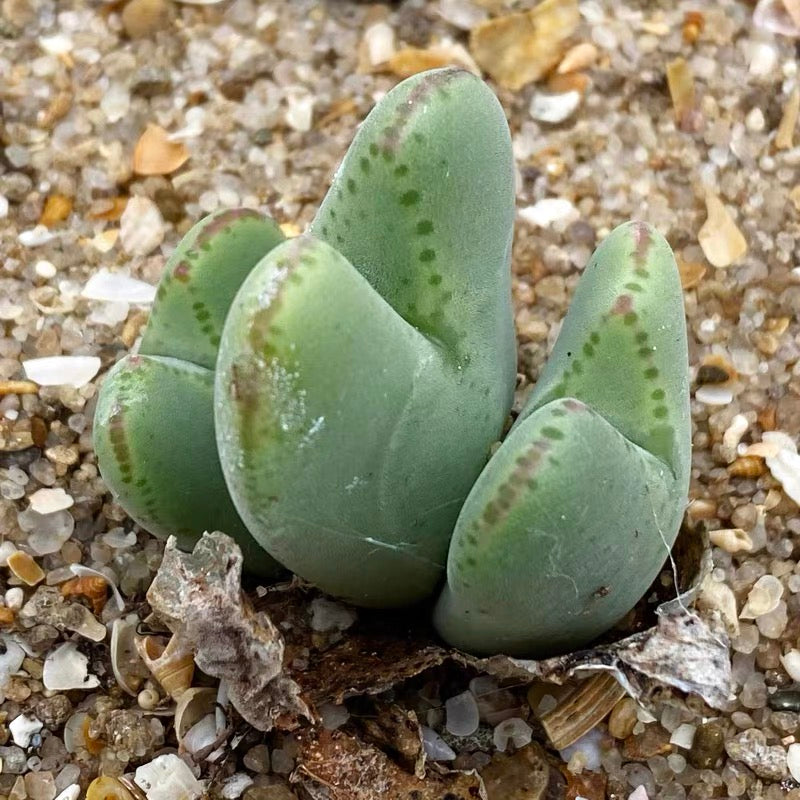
{"x":575,"y":514}
{"x":365,"y":370}
{"x":154,"y":424}
{"x":423,"y":206}
{"x":154,"y":438}
{"x":200,"y":281}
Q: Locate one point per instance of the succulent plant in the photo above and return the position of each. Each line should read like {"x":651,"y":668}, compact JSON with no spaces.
{"x":350,"y":384}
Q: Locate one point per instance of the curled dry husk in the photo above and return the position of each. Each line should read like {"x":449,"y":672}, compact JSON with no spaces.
{"x":171,"y":665}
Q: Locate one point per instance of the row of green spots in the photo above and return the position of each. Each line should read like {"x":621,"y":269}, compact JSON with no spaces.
{"x":650,"y":372}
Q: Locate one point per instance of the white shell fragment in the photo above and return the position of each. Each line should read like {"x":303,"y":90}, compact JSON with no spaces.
{"x":791,"y":663}
{"x":123,"y":650}
{"x":118,"y":288}
{"x":35,"y":237}
{"x":141,"y":226}
{"x":48,"y":501}
{"x":793,"y":760}
{"x":65,"y":668}
{"x":785,"y":464}
{"x":550,"y":211}
{"x":192,"y":706}
{"x":554,"y":108}
{"x":167,"y":778}
{"x":57,"y":45}
{"x":11,"y":660}
{"x":23,"y":728}
{"x":75,"y":371}
{"x":713,"y":395}
{"x":764,"y":597}
{"x":379,"y":41}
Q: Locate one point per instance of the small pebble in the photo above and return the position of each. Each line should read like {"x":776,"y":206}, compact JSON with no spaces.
{"x":25,"y":568}
{"x":551,"y":211}
{"x":300,"y":110}
{"x":45,"y":269}
{"x":379,"y":41}
{"x":328,"y":615}
{"x":23,"y":728}
{"x":513,"y":732}
{"x":142,"y":227}
{"x":707,"y":746}
{"x":435,"y":747}
{"x":462,"y":716}
{"x":333,"y":716}
{"x":793,"y":760}
{"x":683,"y":736}
{"x":713,"y":395}
{"x":143,"y":18}
{"x":623,"y":718}
{"x":257,"y":759}
{"x":554,"y":108}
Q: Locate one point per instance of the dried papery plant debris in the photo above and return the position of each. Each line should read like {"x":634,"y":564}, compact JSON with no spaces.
{"x":266,"y":97}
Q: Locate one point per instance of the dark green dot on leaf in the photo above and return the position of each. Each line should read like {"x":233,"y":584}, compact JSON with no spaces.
{"x":409,"y":198}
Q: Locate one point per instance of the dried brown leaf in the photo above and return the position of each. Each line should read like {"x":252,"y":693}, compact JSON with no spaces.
{"x":338,"y":766}
{"x":155,"y":154}
{"x":519,"y":48}
{"x":719,"y":237}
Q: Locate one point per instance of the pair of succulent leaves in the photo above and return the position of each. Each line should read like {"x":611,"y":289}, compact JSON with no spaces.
{"x":333,"y":398}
